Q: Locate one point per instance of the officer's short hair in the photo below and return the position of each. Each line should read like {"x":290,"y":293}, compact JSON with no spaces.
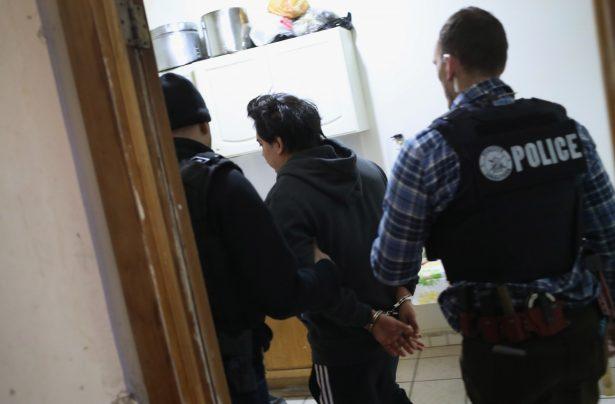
{"x":295,"y":121}
{"x":477,"y":39}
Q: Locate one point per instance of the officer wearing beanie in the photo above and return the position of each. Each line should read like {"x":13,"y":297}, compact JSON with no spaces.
{"x":511,"y":195}
{"x":249,"y":269}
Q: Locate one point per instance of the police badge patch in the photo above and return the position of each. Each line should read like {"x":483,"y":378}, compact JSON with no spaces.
{"x":495,"y":163}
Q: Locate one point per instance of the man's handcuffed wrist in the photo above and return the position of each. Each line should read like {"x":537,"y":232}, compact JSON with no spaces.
{"x":375,"y":317}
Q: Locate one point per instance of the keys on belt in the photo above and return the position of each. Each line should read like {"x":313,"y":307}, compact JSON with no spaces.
{"x":543,"y":316}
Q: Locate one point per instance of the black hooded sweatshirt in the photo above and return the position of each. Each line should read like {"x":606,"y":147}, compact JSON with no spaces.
{"x":329,"y":195}
{"x":268,"y":280}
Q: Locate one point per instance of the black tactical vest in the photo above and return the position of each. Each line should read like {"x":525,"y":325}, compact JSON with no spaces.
{"x":197,"y":174}
{"x":517,"y":213}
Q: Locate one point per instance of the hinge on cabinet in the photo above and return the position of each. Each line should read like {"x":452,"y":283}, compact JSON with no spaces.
{"x":134,"y":23}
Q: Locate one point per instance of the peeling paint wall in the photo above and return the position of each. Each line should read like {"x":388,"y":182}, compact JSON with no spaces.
{"x":56,"y":344}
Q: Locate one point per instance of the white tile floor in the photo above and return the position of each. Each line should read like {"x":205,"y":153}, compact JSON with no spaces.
{"x":433,"y":377}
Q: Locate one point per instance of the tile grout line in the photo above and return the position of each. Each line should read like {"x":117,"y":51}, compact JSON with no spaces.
{"x":416,"y":366}
{"x":439,"y":380}
{"x":442,"y":356}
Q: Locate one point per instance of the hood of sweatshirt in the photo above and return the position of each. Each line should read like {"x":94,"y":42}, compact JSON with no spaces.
{"x":331,"y":168}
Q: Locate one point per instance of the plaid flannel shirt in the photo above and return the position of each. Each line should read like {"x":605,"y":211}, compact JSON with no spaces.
{"x":425,"y":180}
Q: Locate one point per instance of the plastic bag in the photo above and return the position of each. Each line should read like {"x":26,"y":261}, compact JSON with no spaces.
{"x":312,"y":21}
{"x":283,"y":37}
{"x":288,"y":8}
{"x":266,"y":27}
{"x":344,"y":22}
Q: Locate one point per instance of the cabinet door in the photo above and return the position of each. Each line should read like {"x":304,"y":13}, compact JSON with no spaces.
{"x":317,"y":67}
{"x":227,"y":84}
{"x":187,"y":71}
{"x":290,"y":348}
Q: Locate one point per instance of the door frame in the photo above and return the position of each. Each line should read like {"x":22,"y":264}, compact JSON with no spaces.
{"x":125,"y":123}
{"x":130,"y":142}
{"x":605,"y":24}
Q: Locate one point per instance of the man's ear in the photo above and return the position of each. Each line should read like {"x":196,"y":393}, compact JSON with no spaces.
{"x":278,"y":146}
{"x":204,"y":126}
{"x":451,"y":65}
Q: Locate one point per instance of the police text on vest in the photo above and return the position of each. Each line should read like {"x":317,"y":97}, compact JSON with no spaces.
{"x":546,"y":152}
{"x":497,"y":164}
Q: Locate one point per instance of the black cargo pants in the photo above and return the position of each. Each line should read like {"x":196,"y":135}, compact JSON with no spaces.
{"x":562,"y":369}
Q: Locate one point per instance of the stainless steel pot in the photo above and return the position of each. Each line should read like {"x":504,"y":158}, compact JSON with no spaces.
{"x":226,"y":31}
{"x":176,"y":45}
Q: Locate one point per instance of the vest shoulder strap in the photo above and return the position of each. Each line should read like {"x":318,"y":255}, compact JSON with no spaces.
{"x":466,"y":124}
{"x":197,"y":174}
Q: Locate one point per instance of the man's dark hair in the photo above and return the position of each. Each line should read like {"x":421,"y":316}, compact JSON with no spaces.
{"x":295,"y":121}
{"x":477,"y":39}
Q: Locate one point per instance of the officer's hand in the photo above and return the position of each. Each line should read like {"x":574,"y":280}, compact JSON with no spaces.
{"x":318,"y":254}
{"x":395,"y":337}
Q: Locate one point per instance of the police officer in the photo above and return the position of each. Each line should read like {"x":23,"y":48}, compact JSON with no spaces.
{"x":510,"y":195}
{"x":249,"y":270}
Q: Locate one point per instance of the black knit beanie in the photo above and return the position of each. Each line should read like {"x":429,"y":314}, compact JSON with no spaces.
{"x":185,"y":105}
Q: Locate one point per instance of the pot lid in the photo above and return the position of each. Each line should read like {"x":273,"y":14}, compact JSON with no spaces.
{"x":174,"y":27}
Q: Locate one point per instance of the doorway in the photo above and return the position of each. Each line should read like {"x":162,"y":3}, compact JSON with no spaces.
{"x":129,"y":135}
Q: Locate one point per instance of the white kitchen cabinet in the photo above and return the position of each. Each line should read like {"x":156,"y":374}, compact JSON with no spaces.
{"x":321,"y":67}
{"x":187,"y":71}
{"x":227,"y":84}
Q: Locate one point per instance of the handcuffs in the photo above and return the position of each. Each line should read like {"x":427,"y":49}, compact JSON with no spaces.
{"x":394,"y":312}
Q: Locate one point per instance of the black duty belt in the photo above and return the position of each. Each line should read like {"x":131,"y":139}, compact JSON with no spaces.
{"x":543,"y":316}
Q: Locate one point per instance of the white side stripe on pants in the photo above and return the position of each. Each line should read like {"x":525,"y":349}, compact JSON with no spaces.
{"x":322,"y":377}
